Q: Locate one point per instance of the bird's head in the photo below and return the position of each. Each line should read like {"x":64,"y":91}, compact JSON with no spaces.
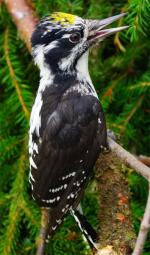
{"x":61,"y":39}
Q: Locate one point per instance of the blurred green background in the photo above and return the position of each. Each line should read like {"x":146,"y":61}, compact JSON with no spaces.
{"x":120,"y":70}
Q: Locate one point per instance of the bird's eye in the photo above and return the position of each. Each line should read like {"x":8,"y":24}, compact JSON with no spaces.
{"x":75,"y":37}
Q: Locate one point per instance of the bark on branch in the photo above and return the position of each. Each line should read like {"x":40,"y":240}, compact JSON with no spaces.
{"x":116,"y":232}
{"x":129,"y":159}
{"x":25,"y":19}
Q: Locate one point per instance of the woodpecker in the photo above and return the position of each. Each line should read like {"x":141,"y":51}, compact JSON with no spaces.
{"x":67,"y":123}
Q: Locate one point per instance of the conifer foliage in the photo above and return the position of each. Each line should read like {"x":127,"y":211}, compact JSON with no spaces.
{"x":120,"y":70}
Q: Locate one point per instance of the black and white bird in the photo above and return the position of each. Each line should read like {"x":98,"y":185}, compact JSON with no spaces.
{"x":67,"y":124}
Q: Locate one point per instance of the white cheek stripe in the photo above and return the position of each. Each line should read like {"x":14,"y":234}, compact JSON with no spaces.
{"x":67,"y":62}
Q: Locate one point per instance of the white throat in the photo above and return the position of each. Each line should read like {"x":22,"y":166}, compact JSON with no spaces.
{"x":83,"y":70}
{"x":82,"y":65}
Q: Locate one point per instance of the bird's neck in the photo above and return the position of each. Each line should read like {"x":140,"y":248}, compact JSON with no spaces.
{"x":83,"y":72}
{"x":80,"y":74}
{"x":82,"y":68}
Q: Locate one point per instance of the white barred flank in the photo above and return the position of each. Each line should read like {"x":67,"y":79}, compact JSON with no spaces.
{"x":68,"y":176}
{"x":50,"y":201}
{"x":54,"y":190}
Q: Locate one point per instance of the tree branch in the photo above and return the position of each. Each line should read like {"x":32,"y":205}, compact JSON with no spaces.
{"x":145,"y":226}
{"x":129,"y":159}
{"x":45,"y":217}
{"x":116,"y":233}
{"x":24,"y":18}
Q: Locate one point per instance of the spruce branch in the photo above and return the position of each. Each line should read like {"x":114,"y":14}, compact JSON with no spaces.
{"x":138,"y":18}
{"x":110,"y":90}
{"x":140,"y":85}
{"x":4,"y":198}
{"x":12,"y":74}
{"x":8,"y":147}
{"x":11,"y":235}
{"x":131,"y":113}
{"x":11,"y":231}
{"x":28,"y":212}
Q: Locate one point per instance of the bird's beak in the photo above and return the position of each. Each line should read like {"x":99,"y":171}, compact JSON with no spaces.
{"x":97,"y":31}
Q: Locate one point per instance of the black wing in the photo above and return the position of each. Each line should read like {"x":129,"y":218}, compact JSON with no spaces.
{"x":67,"y":151}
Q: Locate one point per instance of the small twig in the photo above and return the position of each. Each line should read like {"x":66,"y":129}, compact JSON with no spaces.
{"x":13,"y":75}
{"x":129,"y":159}
{"x":45,"y":215}
{"x":145,"y":226}
{"x":117,"y":41}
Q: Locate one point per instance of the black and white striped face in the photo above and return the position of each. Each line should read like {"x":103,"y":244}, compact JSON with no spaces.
{"x":59,"y":40}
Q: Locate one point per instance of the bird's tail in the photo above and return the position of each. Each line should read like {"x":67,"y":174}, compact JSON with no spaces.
{"x":87,"y":230}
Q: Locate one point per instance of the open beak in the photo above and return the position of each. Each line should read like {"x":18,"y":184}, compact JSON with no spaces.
{"x":97,"y":31}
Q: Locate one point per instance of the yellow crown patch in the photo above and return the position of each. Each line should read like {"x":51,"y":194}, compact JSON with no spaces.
{"x":63,"y":18}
